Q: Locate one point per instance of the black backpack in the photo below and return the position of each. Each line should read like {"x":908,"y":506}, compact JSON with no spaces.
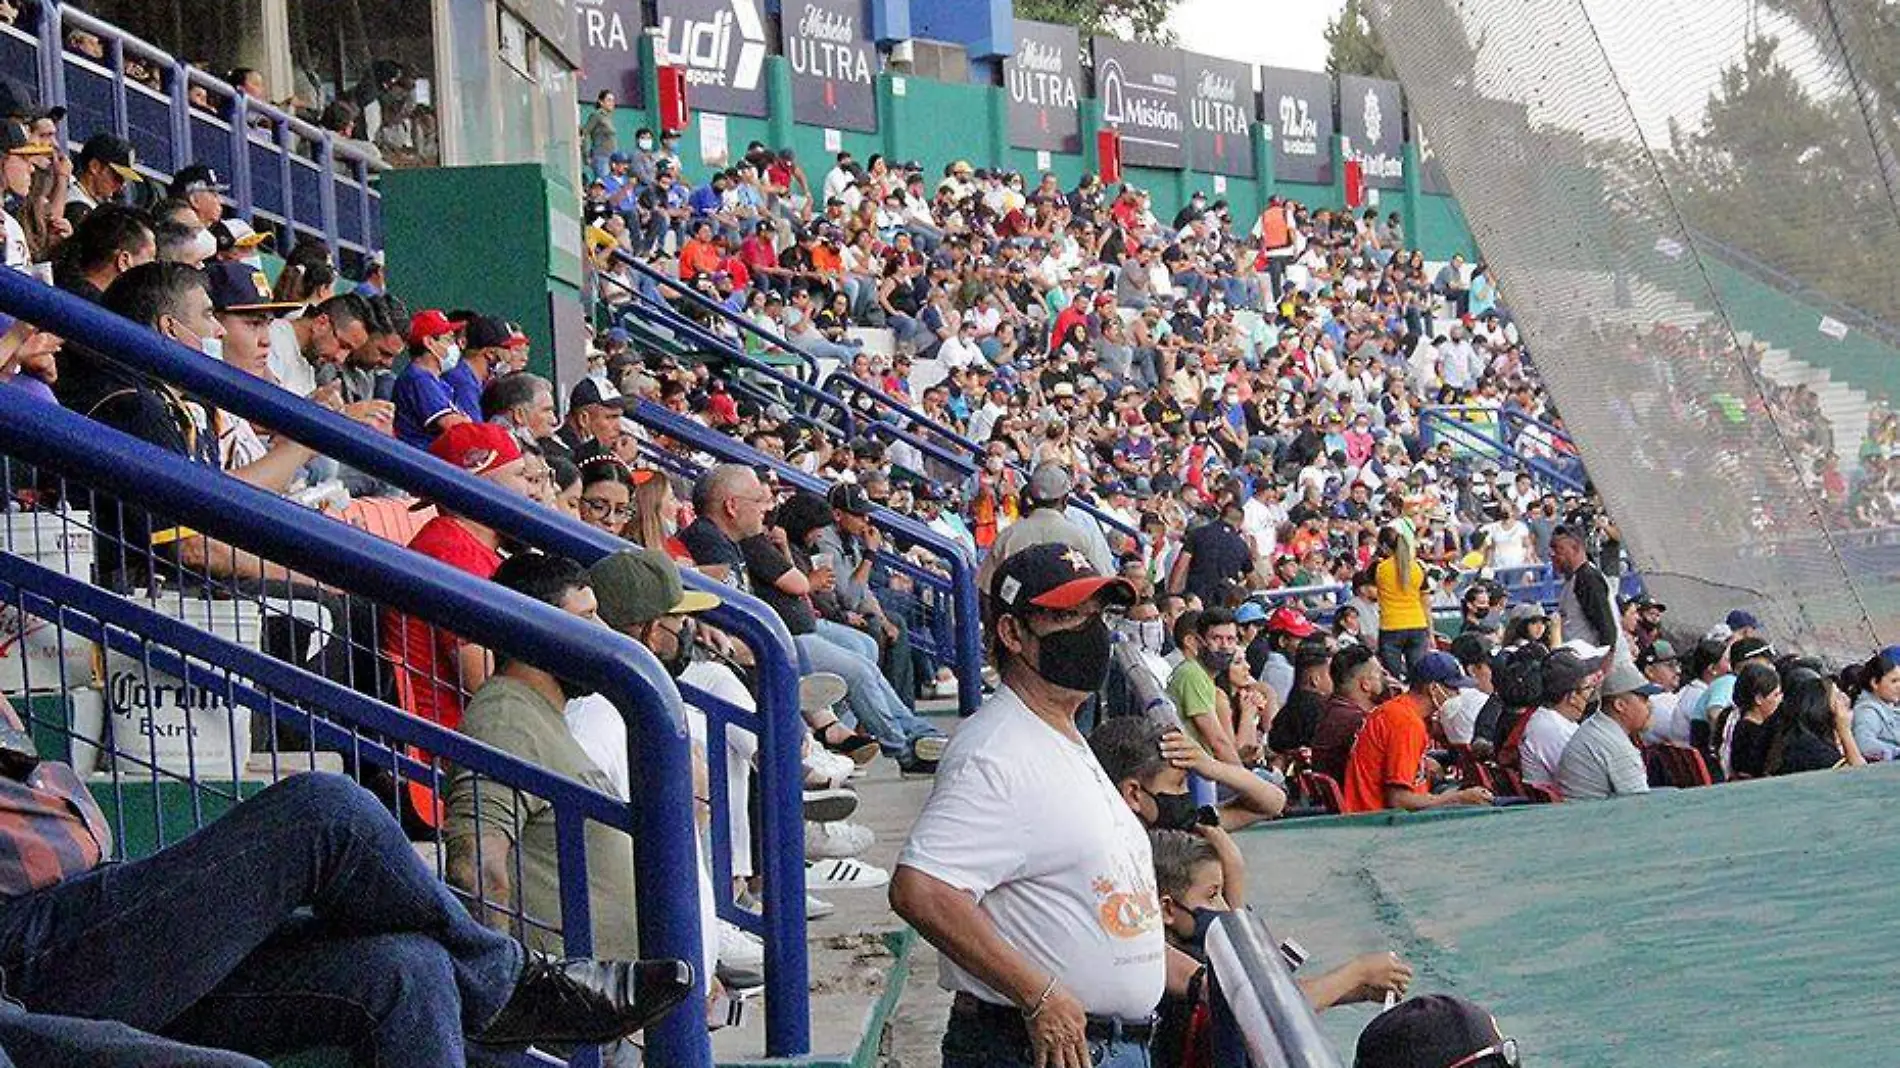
{"x":1517,"y":675}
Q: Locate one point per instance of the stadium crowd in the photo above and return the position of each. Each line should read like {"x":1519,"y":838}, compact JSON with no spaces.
{"x":1199,"y":461}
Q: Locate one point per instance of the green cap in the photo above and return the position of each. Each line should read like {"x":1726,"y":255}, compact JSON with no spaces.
{"x":638,"y":585}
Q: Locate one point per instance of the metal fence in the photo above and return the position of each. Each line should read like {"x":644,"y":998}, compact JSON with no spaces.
{"x":1598,"y":150}
{"x":364,"y":664}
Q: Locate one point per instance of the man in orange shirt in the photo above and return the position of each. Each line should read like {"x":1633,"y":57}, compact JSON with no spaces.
{"x":1387,"y":767}
{"x":699,"y":255}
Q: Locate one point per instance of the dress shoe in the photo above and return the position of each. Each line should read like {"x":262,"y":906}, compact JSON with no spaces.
{"x":587,"y":1002}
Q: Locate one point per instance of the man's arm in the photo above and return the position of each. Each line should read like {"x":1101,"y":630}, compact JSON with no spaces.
{"x":1594,"y":599}
{"x":1406,"y":799}
{"x":1255,"y":799}
{"x":1177,"y":575}
{"x":949,"y":919}
{"x":488,"y":879}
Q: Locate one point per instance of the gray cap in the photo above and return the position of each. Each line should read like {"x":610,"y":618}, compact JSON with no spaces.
{"x":1050,"y":484}
{"x":1624,"y":677}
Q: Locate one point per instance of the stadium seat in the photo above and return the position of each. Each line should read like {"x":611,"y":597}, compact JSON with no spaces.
{"x":1323,"y":790}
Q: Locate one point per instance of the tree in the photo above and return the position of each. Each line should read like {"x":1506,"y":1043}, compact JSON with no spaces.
{"x":1352,"y":46}
{"x":1141,"y":18}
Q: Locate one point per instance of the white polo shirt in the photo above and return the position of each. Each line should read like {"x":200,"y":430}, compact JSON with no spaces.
{"x":1543,"y":746}
{"x":1025,"y":820}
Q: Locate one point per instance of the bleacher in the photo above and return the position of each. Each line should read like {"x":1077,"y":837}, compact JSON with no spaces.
{"x":285,"y":174}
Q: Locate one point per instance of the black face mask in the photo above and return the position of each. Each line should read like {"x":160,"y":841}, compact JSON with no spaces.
{"x":1175,"y":812}
{"x":1217,"y":661}
{"x":682,"y":657}
{"x":1076,"y":659}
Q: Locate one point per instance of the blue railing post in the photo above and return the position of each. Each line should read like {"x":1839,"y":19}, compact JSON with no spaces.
{"x":115,"y":61}
{"x":241,"y":155}
{"x":182,"y":153}
{"x":281,"y":137}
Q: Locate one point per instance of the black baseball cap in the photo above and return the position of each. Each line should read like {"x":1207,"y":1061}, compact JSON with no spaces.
{"x":849,"y":497}
{"x":16,"y":139}
{"x":197,"y":178}
{"x":115,"y":152}
{"x":1431,"y":1031}
{"x":591,"y":391}
{"x":240,"y":287}
{"x":487,"y":332}
{"x":1054,"y":576}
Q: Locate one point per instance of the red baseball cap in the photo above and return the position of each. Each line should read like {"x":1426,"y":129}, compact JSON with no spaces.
{"x":428,"y":323}
{"x":1288,"y":621}
{"x":477,"y":448}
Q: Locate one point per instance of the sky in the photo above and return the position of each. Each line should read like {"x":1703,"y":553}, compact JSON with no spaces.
{"x":1279,"y":33}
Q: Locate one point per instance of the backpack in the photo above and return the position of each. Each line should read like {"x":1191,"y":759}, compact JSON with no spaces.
{"x":1517,"y":675}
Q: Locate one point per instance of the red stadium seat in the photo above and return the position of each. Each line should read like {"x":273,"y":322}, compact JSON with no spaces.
{"x":1323,"y":790}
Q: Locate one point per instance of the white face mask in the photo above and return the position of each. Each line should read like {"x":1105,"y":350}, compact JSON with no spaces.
{"x":451,"y":356}
{"x":212,"y":347}
{"x":645,"y":143}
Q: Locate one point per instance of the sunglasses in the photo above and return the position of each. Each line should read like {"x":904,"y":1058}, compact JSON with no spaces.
{"x":1505,"y":1051}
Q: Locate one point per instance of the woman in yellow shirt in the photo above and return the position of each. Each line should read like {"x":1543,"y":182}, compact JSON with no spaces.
{"x":1405,"y":607}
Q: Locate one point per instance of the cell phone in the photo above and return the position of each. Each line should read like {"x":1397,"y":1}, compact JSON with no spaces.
{"x":1293,"y":953}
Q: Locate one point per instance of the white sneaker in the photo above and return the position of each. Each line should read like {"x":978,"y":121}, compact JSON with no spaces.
{"x":845,"y":874}
{"x":826,"y":841}
{"x":818,"y":908}
{"x":833,"y":768}
{"x":945,"y":684}
{"x":739,"y":948}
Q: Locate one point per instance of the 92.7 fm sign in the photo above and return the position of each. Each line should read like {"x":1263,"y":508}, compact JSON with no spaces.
{"x":1299,"y":109}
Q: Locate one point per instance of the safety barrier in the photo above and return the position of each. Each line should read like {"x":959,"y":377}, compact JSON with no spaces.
{"x":1502,"y":436}
{"x":282,"y":170}
{"x":959,"y":585}
{"x":170,"y":710}
{"x":778,"y":723}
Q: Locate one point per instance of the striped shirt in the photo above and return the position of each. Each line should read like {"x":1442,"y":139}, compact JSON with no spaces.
{"x":50,"y":828}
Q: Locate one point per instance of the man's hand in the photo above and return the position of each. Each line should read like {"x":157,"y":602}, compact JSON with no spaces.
{"x":1376,"y":974}
{"x":1058,"y":1036}
{"x":872,"y":538}
{"x":1471,"y":795}
{"x":378,"y":415}
{"x":824,"y":579}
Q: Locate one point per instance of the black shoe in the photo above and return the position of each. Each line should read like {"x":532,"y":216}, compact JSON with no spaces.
{"x":587,"y":1002}
{"x":860,"y":747}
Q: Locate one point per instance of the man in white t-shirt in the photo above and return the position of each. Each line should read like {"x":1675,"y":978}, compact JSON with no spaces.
{"x":1026,"y":869}
{"x":1570,"y":682}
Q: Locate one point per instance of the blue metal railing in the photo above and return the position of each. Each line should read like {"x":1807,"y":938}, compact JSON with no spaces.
{"x":966,"y":625}
{"x":1495,"y":432}
{"x":269,"y":176}
{"x":779,"y":724}
{"x":55,"y":440}
{"x":712,"y":307}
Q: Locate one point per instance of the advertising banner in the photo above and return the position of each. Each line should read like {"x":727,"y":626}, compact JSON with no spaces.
{"x":828,"y":45}
{"x":1044,"y":79}
{"x":610,"y":49}
{"x":1371,"y":118}
{"x":1297,"y":106}
{"x":721,"y":43}
{"x":1220,"y":113}
{"x":1139,"y":88}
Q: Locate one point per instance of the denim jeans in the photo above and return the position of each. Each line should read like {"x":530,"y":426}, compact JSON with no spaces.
{"x":869,"y":698}
{"x":301,"y":919}
{"x":1400,"y":649}
{"x":29,"y":1039}
{"x":969,"y":1043}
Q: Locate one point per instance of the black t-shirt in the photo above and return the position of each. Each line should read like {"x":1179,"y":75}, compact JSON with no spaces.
{"x":109,"y":394}
{"x":1293,"y":727}
{"x":1219,"y":553}
{"x":1805,"y":752}
{"x":765,"y":563}
{"x":1748,"y":750}
{"x":709,"y":547}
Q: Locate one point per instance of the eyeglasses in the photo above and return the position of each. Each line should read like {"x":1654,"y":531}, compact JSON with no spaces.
{"x":606,"y":509}
{"x":1505,"y":1051}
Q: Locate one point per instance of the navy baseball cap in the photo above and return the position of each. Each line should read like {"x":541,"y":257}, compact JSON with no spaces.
{"x":1054,"y":576}
{"x":1443,"y":669}
{"x":243,"y":289}
{"x":1740,"y":618}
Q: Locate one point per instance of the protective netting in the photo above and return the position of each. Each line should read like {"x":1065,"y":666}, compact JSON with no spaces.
{"x":1691,"y":208}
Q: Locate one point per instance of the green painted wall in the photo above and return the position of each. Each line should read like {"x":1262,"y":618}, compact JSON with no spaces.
{"x":490,"y":238}
{"x":936,"y":122}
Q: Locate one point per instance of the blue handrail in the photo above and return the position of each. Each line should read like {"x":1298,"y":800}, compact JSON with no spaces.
{"x":968,"y":629}
{"x":781,"y":726}
{"x":660,"y":819}
{"x":324,"y":216}
{"x":698,"y":299}
{"x":1442,"y":420}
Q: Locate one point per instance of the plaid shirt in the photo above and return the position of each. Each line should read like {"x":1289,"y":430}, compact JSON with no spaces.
{"x":50,"y":828}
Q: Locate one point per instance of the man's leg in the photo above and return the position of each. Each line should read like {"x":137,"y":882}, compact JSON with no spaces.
{"x":861,"y":678}
{"x":312,"y":842}
{"x":30,"y":1040}
{"x":388,"y":999}
{"x":876,"y":689}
